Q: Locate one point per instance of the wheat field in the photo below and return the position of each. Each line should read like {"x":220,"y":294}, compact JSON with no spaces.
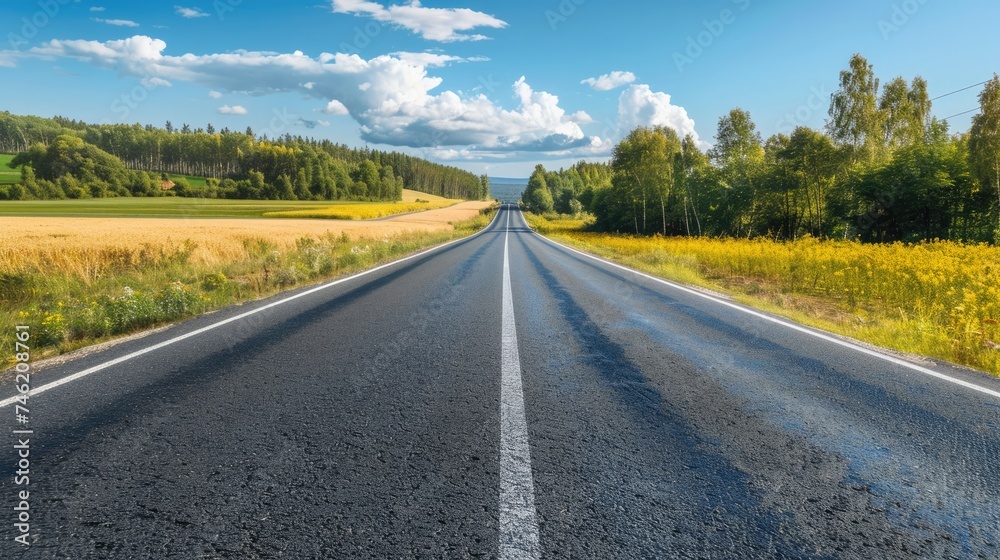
{"x":80,"y":280}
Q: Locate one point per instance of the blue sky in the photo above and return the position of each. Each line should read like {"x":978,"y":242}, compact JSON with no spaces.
{"x":488,"y":86}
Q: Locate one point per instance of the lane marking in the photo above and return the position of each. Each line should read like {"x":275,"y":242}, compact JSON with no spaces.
{"x":799,"y":328}
{"x":81,"y":374}
{"x":518,"y":523}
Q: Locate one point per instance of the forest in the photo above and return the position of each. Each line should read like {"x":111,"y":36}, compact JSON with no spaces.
{"x":63,"y":158}
{"x":882,"y":170}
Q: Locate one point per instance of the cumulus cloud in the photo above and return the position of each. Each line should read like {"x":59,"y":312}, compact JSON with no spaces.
{"x":610,"y":81}
{"x":189,"y":13}
{"x":234,"y":110}
{"x":335,"y":107}
{"x":118,"y":22}
{"x":215,"y":94}
{"x":392,"y":97}
{"x":435,"y":24}
{"x":640,"y":106}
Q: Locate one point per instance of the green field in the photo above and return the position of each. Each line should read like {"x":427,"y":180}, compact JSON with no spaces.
{"x":158,"y":207}
{"x":8,"y":175}
{"x":196,"y":182}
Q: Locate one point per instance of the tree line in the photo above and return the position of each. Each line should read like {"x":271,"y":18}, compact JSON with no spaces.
{"x":882,"y":170}
{"x":238,"y":164}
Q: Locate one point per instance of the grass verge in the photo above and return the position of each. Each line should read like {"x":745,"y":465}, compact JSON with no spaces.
{"x":940,"y":300}
{"x":83,"y":296}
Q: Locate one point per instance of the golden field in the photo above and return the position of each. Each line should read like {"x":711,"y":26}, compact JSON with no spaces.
{"x":367,"y":211}
{"x":76,"y":244}
{"x":78,"y":280}
{"x":417,"y":196}
{"x":937,"y":299}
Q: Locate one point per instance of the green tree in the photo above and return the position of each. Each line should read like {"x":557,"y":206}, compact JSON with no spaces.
{"x":692,"y":165}
{"x":739,"y":155}
{"x":367,"y":175}
{"x":984,"y":144}
{"x":537,"y":196}
{"x":904,"y":112}
{"x":855,"y":119}
{"x":811,"y":160}
{"x":484,"y":187}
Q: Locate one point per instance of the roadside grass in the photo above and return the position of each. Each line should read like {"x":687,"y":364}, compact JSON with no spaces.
{"x":363,"y":211}
{"x":79,"y":295}
{"x":940,"y":300}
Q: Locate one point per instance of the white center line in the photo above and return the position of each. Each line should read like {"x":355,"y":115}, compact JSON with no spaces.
{"x":518,"y":525}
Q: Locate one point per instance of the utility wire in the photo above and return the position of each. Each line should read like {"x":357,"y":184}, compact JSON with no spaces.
{"x":962,"y":113}
{"x":958,"y":90}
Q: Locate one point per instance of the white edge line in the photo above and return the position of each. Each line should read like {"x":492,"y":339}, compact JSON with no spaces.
{"x":777,"y":321}
{"x":70,"y":378}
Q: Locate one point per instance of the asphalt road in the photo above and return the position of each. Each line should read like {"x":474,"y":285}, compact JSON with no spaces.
{"x":503,"y":396}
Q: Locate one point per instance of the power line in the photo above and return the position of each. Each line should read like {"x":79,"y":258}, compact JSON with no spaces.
{"x":959,"y":90}
{"x":962,"y":113}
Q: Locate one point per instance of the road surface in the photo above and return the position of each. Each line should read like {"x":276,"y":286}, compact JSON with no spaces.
{"x":503,"y":397}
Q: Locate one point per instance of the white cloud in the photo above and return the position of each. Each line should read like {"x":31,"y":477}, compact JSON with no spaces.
{"x":335,"y":107}
{"x":234,"y":110}
{"x":118,"y":22}
{"x":152,"y":82}
{"x":215,"y":94}
{"x":432,"y":60}
{"x":435,"y":24}
{"x":97,"y":8}
{"x":640,"y":106}
{"x":398,"y":104}
{"x":189,"y":12}
{"x":610,"y":81}
{"x":8,"y":59}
